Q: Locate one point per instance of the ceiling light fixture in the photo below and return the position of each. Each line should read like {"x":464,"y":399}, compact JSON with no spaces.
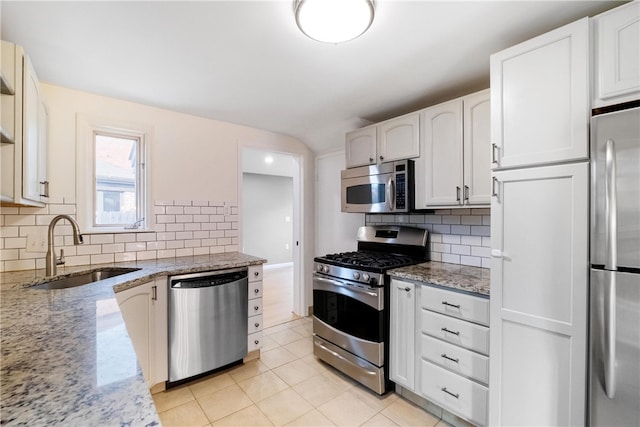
{"x":334,"y":21}
{"x":268,"y":160}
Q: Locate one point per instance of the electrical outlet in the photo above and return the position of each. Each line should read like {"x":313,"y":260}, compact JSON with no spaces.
{"x":37,"y":241}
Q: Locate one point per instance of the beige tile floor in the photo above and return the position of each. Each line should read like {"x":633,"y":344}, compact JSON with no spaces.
{"x":286,"y":386}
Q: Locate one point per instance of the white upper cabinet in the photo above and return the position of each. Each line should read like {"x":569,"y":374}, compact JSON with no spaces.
{"x":391,"y":140}
{"x":540,"y":98}
{"x":439,"y":170}
{"x":454,"y":168}
{"x":398,"y":138}
{"x":616,"y":36}
{"x":24,"y":132}
{"x":34,"y":141}
{"x":360,"y":147}
{"x":477,"y":148}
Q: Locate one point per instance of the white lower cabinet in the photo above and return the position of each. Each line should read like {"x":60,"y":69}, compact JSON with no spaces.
{"x":254,"y":337}
{"x":459,"y":395}
{"x":439,"y":346}
{"x":402,"y":334}
{"x":144,"y":309}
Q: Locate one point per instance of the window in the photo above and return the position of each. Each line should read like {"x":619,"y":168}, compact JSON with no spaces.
{"x":111,"y":171}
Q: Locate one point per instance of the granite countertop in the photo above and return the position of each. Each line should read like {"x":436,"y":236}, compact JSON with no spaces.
{"x":66,"y":357}
{"x":461,"y":277}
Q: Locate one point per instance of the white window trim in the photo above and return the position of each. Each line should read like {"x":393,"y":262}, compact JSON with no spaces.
{"x":86,"y":127}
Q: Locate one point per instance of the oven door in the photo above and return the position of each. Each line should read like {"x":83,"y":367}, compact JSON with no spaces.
{"x":350,"y":317}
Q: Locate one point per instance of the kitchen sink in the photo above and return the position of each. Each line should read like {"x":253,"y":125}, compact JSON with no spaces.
{"x":84,"y":278}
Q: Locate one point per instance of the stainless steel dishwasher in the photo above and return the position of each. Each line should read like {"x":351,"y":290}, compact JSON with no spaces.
{"x":207,"y":322}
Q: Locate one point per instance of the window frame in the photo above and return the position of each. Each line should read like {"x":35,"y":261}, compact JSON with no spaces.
{"x":87,"y":127}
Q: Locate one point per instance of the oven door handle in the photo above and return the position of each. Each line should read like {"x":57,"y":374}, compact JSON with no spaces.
{"x":370,"y":298}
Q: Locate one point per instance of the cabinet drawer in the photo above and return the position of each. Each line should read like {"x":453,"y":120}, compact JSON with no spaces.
{"x":255,"y":289}
{"x":255,"y":307}
{"x":254,"y":341}
{"x":456,"y":359}
{"x":456,"y":331}
{"x":456,"y":304}
{"x":255,"y":273}
{"x":255,"y":324}
{"x":453,"y":392}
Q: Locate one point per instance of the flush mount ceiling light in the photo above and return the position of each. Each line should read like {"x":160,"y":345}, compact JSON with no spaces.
{"x":334,"y":21}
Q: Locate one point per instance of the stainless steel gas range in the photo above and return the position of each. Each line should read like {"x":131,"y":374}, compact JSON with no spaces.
{"x":351,"y":300}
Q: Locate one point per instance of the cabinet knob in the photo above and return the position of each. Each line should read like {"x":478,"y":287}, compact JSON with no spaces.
{"x":370,"y":159}
{"x":256,"y":273}
{"x":407,"y":289}
{"x":256,"y":325}
{"x":256,"y":308}
{"x":381,"y":158}
{"x":257,"y":291}
{"x":256,"y":342}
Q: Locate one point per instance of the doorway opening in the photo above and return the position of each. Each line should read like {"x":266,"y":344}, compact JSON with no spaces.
{"x":271,"y":220}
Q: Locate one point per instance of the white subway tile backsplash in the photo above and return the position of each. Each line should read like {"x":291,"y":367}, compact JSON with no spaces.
{"x":461,"y":229}
{"x":451,"y":258}
{"x":100,"y":238}
{"x":125,"y":256}
{"x":145,"y":237}
{"x":174,"y":210}
{"x":102,"y":259}
{"x":124,"y":238}
{"x":175,"y":227}
{"x":113,"y":248}
{"x":184,"y":218}
{"x":451,"y":219}
{"x":184,"y":252}
{"x":62,"y":209}
{"x":458,"y":236}
{"x":135,"y":246}
{"x":145,"y":255}
{"x":201,"y":251}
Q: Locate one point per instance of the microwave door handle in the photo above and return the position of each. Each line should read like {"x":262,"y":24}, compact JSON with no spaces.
{"x":391,"y":194}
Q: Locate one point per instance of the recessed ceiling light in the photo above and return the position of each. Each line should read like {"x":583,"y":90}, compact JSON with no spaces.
{"x":334,"y":21}
{"x":268,"y":160}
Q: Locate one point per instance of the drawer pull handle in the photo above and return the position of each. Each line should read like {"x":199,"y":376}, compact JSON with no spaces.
{"x":456,"y":395}
{"x":451,"y":305}
{"x":444,"y":355}
{"x":451,"y":332}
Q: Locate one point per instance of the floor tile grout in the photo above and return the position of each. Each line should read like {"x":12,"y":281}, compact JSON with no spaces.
{"x":329,"y":407}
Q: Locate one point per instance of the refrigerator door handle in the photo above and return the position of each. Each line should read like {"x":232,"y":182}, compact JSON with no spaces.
{"x":609,"y":358}
{"x":611,"y":207}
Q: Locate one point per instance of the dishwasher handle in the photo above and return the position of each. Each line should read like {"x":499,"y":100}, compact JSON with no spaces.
{"x":210,"y":279}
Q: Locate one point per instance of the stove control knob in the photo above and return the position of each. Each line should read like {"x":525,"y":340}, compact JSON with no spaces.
{"x":356,"y":275}
{"x":365,"y":277}
{"x":325,"y":269}
{"x":319,"y":268}
{"x":373,"y":282}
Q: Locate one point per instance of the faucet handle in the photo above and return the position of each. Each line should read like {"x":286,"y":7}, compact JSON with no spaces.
{"x":60,"y":261}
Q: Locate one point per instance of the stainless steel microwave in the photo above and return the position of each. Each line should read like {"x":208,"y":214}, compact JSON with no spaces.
{"x":387,"y":187}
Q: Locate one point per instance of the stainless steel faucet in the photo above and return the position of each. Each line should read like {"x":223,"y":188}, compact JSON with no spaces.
{"x":51,"y":260}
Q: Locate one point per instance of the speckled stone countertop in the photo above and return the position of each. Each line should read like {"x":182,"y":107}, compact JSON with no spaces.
{"x":66,"y":357}
{"x":462,"y":277}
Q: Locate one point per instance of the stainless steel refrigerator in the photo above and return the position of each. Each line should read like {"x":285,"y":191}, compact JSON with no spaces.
{"x":614,"y":363}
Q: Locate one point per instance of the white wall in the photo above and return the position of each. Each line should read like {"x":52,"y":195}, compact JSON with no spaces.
{"x":335,"y":230}
{"x":192,"y":159}
{"x":267,"y":215}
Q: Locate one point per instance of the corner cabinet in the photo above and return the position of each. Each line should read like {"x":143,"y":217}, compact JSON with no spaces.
{"x":455,"y":166}
{"x":144,"y":309}
{"x":254,"y":337}
{"x":616,"y":35}
{"x":24,"y":132}
{"x":388,"y":141}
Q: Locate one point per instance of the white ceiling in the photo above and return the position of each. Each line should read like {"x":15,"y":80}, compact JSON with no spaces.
{"x":246,"y":62}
